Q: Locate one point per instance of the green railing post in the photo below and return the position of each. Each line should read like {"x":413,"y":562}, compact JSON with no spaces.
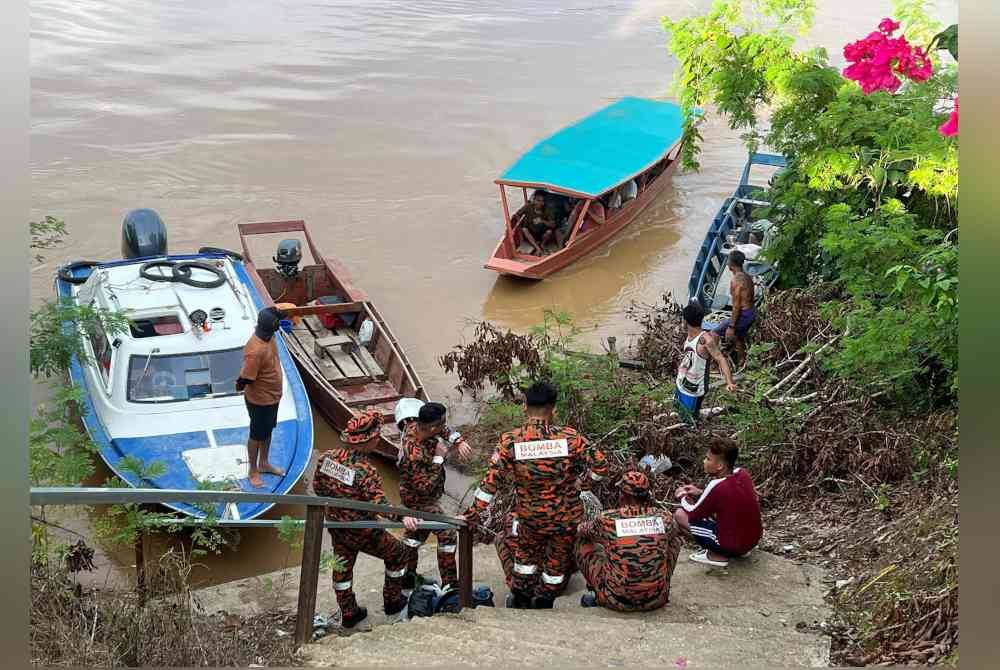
{"x":312,"y":549}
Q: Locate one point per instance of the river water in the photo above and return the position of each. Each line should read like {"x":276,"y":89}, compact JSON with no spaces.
{"x":382,"y":125}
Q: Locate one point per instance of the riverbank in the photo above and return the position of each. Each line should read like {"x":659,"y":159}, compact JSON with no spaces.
{"x":849,"y":480}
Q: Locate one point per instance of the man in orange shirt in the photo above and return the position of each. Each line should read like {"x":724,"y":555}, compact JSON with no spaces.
{"x":260,"y":380}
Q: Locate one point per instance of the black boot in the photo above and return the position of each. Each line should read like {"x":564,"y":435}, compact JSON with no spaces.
{"x":588,"y":599}
{"x":540,"y":603}
{"x":518,"y":601}
{"x":396,"y":607}
{"x":353,"y":617}
{"x":411,"y":580}
{"x":408,"y":581}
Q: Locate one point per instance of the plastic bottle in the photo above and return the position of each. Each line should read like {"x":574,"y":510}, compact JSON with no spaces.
{"x":365,"y":332}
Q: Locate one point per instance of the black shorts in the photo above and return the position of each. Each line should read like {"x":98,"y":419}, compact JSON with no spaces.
{"x":703,"y":532}
{"x":538,"y":231}
{"x":263,"y":419}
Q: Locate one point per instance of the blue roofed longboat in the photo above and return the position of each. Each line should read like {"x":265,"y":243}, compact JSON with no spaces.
{"x":603,"y":170}
{"x":164,"y":391}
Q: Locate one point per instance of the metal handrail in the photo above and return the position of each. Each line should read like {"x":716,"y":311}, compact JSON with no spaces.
{"x":277,"y":523}
{"x":79,"y":495}
{"x":314,"y":524}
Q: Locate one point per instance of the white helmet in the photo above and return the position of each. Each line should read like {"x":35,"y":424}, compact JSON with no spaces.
{"x":407,"y":408}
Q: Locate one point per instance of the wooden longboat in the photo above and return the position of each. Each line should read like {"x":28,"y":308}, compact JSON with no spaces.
{"x":343,"y":374}
{"x":594,"y":162}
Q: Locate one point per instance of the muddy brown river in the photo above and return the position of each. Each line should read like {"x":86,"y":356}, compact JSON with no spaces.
{"x":382,"y":125}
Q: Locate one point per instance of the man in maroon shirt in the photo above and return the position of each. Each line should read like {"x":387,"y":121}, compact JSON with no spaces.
{"x":725,"y":517}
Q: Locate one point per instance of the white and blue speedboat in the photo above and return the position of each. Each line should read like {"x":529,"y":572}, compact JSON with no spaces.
{"x":164,"y":392}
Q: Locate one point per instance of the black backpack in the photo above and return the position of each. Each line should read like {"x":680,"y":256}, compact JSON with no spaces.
{"x":421,"y":601}
{"x":448,"y":603}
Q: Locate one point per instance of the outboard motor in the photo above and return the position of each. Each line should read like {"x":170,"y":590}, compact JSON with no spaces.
{"x":143,"y":234}
{"x":287,"y":258}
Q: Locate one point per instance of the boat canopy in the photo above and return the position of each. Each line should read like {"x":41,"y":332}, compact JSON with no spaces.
{"x":601,"y":151}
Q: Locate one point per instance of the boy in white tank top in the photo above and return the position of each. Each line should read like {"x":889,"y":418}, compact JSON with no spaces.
{"x":693,"y":371}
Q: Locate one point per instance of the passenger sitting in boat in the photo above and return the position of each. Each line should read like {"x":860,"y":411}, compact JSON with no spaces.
{"x":595,"y":215}
{"x":558,"y":208}
{"x":741,"y":291}
{"x":623,"y":194}
{"x":752,"y":248}
{"x":536,"y":225}
{"x":630,"y":191}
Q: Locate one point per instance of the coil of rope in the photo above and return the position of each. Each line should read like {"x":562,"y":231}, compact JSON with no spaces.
{"x":66,"y":272}
{"x":181,"y":273}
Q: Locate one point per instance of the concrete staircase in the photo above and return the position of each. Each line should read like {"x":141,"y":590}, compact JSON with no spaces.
{"x":744,"y":615}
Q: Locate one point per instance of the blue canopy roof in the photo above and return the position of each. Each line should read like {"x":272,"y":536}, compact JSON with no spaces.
{"x":605,"y":149}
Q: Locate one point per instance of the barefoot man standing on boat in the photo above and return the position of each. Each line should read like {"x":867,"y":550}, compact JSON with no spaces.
{"x":741,"y":291}
{"x":260,"y":380}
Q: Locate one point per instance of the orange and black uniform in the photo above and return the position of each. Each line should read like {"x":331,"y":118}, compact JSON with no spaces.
{"x":421,"y":485}
{"x":628,"y":555}
{"x":505,"y":546}
{"x":343,"y":473}
{"x":548,"y":465}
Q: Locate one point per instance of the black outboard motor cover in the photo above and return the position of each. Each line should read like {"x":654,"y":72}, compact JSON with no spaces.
{"x":143,"y":234}
{"x":287,"y":258}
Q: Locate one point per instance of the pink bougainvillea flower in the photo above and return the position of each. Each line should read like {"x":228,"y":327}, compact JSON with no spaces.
{"x":681,"y":662}
{"x":950,"y":127}
{"x":877,"y":59}
{"x":888,"y":26}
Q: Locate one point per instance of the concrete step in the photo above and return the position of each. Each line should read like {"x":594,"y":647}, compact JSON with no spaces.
{"x":487,"y":636}
{"x":745,"y":614}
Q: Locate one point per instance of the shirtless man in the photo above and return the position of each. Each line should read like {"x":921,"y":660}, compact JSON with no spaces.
{"x":692,"y":373}
{"x":741,"y":294}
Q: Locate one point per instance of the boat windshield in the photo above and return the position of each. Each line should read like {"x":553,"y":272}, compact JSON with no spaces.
{"x":178,"y":377}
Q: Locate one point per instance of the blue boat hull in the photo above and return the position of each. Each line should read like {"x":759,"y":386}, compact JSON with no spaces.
{"x":703,"y":271}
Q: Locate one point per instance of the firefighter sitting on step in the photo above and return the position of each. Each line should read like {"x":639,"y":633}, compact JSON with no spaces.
{"x":548,"y":466}
{"x":628,"y":554}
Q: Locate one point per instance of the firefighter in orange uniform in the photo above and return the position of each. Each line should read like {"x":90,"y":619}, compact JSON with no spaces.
{"x":505,"y":543}
{"x":628,"y":554}
{"x":426,"y":443}
{"x":549,"y":466}
{"x":347,"y":473}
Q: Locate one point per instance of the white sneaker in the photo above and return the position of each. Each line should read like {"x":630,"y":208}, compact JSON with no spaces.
{"x":702,"y":557}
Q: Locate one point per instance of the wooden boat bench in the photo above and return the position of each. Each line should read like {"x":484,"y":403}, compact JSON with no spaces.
{"x":338,"y":353}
